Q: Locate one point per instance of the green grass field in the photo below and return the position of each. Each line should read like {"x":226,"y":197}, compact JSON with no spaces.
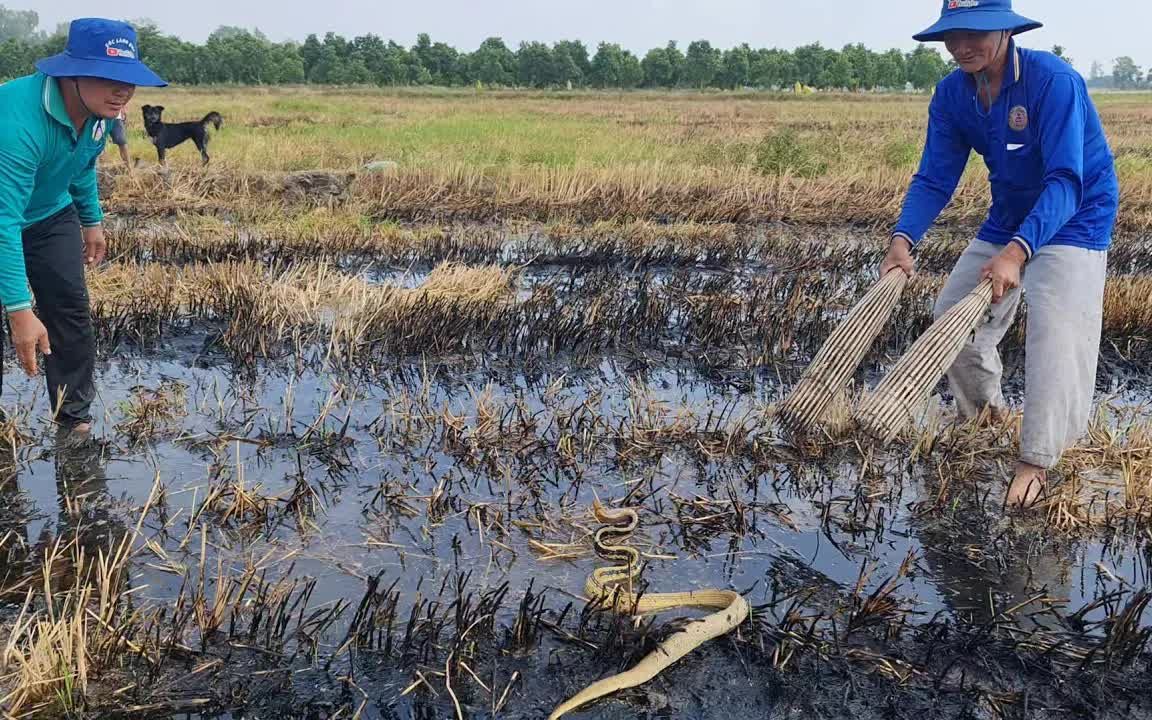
{"x":731,"y":140}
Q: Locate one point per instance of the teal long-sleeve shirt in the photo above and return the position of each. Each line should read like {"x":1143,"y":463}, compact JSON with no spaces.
{"x":45,"y":166}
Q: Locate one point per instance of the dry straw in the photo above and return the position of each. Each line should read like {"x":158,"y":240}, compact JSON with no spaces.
{"x":898,"y":399}
{"x":841,"y":354}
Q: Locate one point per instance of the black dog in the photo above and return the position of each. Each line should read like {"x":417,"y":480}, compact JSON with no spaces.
{"x":169,"y":135}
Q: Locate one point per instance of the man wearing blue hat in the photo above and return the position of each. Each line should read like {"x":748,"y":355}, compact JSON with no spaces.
{"x":1054,"y":199}
{"x":51,"y":133}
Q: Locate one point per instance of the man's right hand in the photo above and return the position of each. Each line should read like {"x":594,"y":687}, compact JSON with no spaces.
{"x":899,"y":256}
{"x":28,"y":336}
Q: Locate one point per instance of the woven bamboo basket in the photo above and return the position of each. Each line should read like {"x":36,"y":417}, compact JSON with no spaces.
{"x":904,"y":392}
{"x":828,"y":374}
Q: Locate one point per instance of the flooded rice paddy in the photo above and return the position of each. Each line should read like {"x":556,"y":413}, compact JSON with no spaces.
{"x":404,"y":532}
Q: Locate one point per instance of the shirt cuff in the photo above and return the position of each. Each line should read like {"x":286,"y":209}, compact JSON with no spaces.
{"x":905,"y":236}
{"x":17,"y":307}
{"x":1023,"y":244}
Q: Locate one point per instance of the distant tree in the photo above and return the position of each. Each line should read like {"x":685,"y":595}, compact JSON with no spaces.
{"x":891,"y":70}
{"x":810,"y":64}
{"x":19,"y":25}
{"x":1097,"y":72}
{"x":737,"y":67}
{"x":338,"y":44}
{"x":175,"y":60}
{"x":285,"y":67}
{"x":235,"y":57}
{"x":925,"y":67}
{"x":440,"y":60}
{"x":1060,"y":52}
{"x":662,"y":66}
{"x":676,"y":60}
{"x":15,"y":58}
{"x":50,"y":45}
{"x":631,"y":74}
{"x":772,"y":68}
{"x":329,"y":67}
{"x":352,"y":72}
{"x":612,"y":66}
{"x":572,"y":54}
{"x":493,"y":63}
{"x":1126,"y":73}
{"x":309,"y":53}
{"x":863,"y":64}
{"x":535,"y":66}
{"x":565,"y":66}
{"x":229,"y":32}
{"x":422,"y":50}
{"x":657,"y":69}
{"x":702,"y":64}
{"x":447,"y":64}
{"x":837,"y":72}
{"x":385,"y":63}
{"x":138,"y":23}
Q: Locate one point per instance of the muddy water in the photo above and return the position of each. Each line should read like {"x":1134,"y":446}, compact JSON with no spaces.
{"x":821,"y":525}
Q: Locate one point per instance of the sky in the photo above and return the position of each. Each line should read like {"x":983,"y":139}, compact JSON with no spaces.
{"x":1101,"y":30}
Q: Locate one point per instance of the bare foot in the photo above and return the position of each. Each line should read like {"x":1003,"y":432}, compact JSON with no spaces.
{"x":1027,"y":486}
{"x":71,"y":434}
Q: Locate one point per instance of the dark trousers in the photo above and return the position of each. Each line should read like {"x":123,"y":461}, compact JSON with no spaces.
{"x":54,"y":257}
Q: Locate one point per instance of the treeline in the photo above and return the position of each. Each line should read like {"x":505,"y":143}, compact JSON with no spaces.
{"x":234,"y":55}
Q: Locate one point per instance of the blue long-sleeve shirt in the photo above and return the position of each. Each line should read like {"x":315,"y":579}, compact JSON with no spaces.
{"x":45,"y":166}
{"x":1050,"y":168}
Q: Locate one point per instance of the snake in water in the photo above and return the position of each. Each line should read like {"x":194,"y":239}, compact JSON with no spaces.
{"x":610,"y":588}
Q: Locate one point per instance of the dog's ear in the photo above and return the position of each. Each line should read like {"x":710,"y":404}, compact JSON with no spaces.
{"x":159,"y":108}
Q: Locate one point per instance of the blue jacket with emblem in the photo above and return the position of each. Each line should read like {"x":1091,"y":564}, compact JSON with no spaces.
{"x":45,"y":166}
{"x":1051,"y":172}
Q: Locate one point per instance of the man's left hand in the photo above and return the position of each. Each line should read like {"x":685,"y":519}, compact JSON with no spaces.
{"x":94,"y":245}
{"x":1004,"y":270}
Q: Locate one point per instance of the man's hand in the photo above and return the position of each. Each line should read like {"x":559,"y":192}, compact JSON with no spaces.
{"x":1004,"y":270}
{"x":94,"y":245}
{"x":28,"y":336}
{"x":899,"y":256}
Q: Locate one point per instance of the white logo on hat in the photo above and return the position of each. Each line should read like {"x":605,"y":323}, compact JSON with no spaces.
{"x":958,"y":4}
{"x":120,"y":47}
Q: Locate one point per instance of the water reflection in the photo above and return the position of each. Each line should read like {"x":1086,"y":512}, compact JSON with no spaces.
{"x":86,"y":513}
{"x":13,"y":529}
{"x":987,"y":570}
{"x":87,"y":525}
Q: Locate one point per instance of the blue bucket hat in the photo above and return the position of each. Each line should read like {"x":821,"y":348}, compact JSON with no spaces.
{"x":979,"y":15}
{"x":100,"y":48}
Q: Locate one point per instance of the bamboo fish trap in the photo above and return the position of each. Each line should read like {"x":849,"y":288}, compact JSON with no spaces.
{"x":841,"y":354}
{"x":887,"y":410}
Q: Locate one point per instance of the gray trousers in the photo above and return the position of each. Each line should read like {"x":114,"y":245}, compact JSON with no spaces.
{"x":1064,"y":289}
